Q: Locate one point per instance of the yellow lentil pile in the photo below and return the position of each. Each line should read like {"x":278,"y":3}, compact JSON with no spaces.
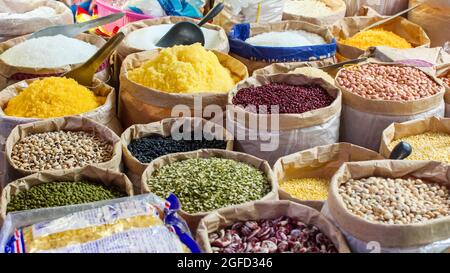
{"x":376,"y":37}
{"x":307,"y":188}
{"x":427,"y":146}
{"x":53,"y":97}
{"x":184,"y":69}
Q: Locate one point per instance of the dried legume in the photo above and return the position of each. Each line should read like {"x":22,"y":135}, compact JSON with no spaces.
{"x":387,"y":82}
{"x":395,"y":201}
{"x":205,"y":184}
{"x":53,"y":97}
{"x":60,"y":150}
{"x":427,"y":146}
{"x":148,"y":148}
{"x":284,"y":234}
{"x":55,"y":194}
{"x":307,"y":188}
{"x":289,"y":98}
{"x":376,"y":37}
{"x":446,"y":79}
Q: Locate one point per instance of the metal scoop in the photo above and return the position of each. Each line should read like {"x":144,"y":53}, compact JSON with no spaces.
{"x":84,"y":73}
{"x":390,"y":18}
{"x":401,"y":151}
{"x":75,"y":29}
{"x":187,"y":33}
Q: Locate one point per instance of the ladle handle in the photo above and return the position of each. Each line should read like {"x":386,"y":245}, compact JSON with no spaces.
{"x":401,"y":151}
{"x":211,"y":14}
{"x":85,"y":26}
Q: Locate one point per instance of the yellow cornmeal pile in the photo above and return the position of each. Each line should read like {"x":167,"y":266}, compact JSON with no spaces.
{"x":307,"y":188}
{"x":184,"y":69}
{"x":376,"y":37}
{"x":53,"y":97}
{"x":427,"y":146}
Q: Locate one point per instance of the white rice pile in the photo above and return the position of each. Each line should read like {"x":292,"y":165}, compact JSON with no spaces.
{"x":48,"y":52}
{"x":146,"y":38}
{"x":40,"y":12}
{"x":286,"y":39}
{"x":307,"y":8}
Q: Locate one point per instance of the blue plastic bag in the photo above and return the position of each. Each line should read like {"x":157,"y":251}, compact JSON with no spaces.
{"x":180,"y":8}
{"x":240,"y":32}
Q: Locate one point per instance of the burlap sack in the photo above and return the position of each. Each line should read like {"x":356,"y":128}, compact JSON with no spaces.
{"x":10,"y":74}
{"x":410,"y":128}
{"x":430,"y":236}
{"x":318,"y":162}
{"x":281,"y":68}
{"x":267,"y":210}
{"x":109,"y":178}
{"x":125,"y":49}
{"x":383,"y":7}
{"x":256,"y":29}
{"x":140,"y":105}
{"x":165,"y":127}
{"x":272,"y":136}
{"x":434,"y":17}
{"x":349,"y":26}
{"x":193,"y":219}
{"x":363,"y":120}
{"x":338,"y":12}
{"x":10,"y":28}
{"x":72,"y":123}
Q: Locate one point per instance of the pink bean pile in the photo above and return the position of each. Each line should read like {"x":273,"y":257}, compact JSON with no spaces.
{"x":446,"y":79}
{"x":291,"y":99}
{"x":387,"y":82}
{"x":280,"y":235}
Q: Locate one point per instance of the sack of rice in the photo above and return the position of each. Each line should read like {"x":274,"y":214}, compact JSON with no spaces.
{"x":318,"y":12}
{"x":434,"y":17}
{"x":304,"y":177}
{"x":383,"y":7}
{"x":143,"y":35}
{"x":22,"y":59}
{"x":275,"y":115}
{"x":397,"y":33}
{"x":20,"y":17}
{"x":392,"y":205}
{"x":63,"y":188}
{"x":66,"y":143}
{"x":394,"y":93}
{"x":209,"y":179}
{"x":283,"y":226}
{"x":162,"y":83}
{"x":249,"y":11}
{"x":259,"y":45}
{"x":142,"y":143}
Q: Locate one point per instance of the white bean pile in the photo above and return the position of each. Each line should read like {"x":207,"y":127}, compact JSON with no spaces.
{"x":60,"y":150}
{"x":395,"y":201}
{"x":387,"y":82}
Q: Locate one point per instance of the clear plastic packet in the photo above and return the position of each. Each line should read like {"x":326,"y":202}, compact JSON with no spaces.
{"x":143,"y":223}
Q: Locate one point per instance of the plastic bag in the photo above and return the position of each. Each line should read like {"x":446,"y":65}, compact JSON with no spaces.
{"x":180,"y":8}
{"x":143,"y":223}
{"x":148,"y":7}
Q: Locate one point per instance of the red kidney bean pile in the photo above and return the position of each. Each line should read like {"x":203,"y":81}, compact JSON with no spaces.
{"x":387,"y":82}
{"x":291,"y":99}
{"x":280,"y":235}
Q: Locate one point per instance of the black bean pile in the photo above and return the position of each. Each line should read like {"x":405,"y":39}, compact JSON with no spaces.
{"x":291,"y":99}
{"x":148,"y":148}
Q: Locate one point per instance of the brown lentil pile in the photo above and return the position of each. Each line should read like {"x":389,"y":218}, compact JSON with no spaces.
{"x":60,"y":150}
{"x":387,"y":82}
{"x":395,"y":201}
{"x":281,"y":235}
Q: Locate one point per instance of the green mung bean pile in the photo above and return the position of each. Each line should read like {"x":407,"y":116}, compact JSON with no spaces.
{"x":55,"y":194}
{"x":205,"y":184}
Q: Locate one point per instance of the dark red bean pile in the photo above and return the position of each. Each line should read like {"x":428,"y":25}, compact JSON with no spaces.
{"x":291,"y":99}
{"x":280,"y":235}
{"x":148,"y":148}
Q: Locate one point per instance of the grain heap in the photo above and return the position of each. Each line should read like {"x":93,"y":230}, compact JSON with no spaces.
{"x":60,"y":150}
{"x":184,"y":69}
{"x":376,"y":37}
{"x":205,"y":184}
{"x":307,"y":188}
{"x":286,"y":39}
{"x":309,"y":8}
{"x":395,"y":201}
{"x":55,"y":194}
{"x":53,"y":97}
